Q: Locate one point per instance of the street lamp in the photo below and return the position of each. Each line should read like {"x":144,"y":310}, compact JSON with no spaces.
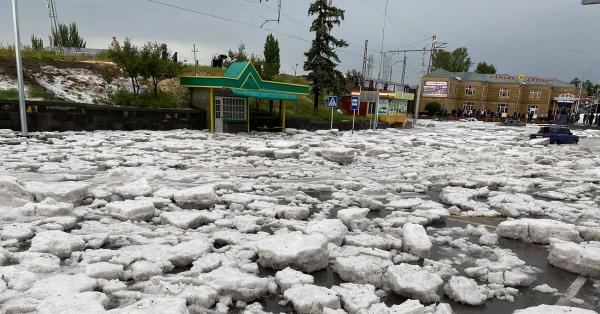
{"x":586,"y":2}
{"x":22,"y":112}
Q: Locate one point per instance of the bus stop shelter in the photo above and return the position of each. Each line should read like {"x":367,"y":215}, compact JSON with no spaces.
{"x":226,"y":98}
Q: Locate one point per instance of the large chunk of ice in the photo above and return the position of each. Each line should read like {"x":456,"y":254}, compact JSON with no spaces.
{"x":538,"y":230}
{"x":416,"y":241}
{"x":199,"y":197}
{"x":356,"y":297}
{"x":311,"y":299}
{"x":154,"y":306}
{"x":582,"y":259}
{"x":307,"y":253}
{"x":414,"y":282}
{"x":61,"y":285}
{"x":132,"y":210}
{"x":139,"y":187}
{"x":57,"y":243}
{"x":104,"y":270}
{"x":12,"y":193}
{"x":554,"y":309}
{"x":363,"y":269}
{"x":353,"y":218}
{"x":67,"y":191}
{"x":341,"y":155}
{"x":86,"y":302}
{"x":185,"y":219}
{"x":289,"y":277}
{"x":48,"y":207}
{"x":466,"y":290}
{"x":333,"y":229}
{"x":232,"y":281}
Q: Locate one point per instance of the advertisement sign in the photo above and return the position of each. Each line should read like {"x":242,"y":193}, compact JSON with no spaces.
{"x":435,"y":89}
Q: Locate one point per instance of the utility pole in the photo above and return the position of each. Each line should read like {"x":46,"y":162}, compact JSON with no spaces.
{"x":22,"y":110}
{"x":381,"y":63}
{"x":403,"y":69}
{"x":194,"y":50}
{"x":433,"y":43}
{"x":53,"y":16}
{"x":423,"y":61}
{"x":383,"y":40}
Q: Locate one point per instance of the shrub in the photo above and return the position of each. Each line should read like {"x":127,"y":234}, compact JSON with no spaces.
{"x":146,"y":99}
{"x":12,"y":93}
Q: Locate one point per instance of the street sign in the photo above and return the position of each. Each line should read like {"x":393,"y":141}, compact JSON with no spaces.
{"x":332,"y":101}
{"x":355,"y":101}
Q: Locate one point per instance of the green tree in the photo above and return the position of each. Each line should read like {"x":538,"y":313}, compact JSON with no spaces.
{"x":129,"y":61}
{"x":455,"y":61}
{"x":37,"y":44}
{"x":321,"y":58}
{"x":591,"y":88}
{"x":433,"y":107}
{"x":484,"y":68}
{"x":156,"y":64}
{"x":272,"y":59}
{"x":259,"y":64}
{"x":67,"y":36}
{"x":575,"y":82}
{"x":238,"y":55}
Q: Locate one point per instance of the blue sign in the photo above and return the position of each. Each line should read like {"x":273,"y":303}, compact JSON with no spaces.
{"x":332,"y":101}
{"x":355,"y":102}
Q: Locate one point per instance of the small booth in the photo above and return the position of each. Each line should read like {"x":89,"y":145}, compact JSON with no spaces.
{"x":226,"y":99}
{"x":393,"y":106}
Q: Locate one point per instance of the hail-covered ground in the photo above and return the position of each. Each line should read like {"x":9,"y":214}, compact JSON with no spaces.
{"x":444,"y":218}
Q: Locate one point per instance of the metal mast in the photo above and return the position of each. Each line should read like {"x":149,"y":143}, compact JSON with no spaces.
{"x":53,"y":16}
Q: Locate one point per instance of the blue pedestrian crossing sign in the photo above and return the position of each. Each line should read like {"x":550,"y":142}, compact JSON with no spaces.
{"x":332,"y":101}
{"x":355,"y":102}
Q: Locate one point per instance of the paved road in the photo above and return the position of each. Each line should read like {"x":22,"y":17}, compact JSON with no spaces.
{"x":592,"y":144}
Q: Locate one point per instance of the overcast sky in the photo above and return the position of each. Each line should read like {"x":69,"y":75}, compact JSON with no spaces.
{"x":548,"y":38}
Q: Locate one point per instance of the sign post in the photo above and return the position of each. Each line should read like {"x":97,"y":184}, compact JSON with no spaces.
{"x":332,"y":102}
{"x":355,"y":106}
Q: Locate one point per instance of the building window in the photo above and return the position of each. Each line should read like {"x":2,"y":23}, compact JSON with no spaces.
{"x":502,"y":109}
{"x":470,"y":90}
{"x":469,"y":105}
{"x":504,"y":92}
{"x":234,"y":108}
{"x":535,"y":94}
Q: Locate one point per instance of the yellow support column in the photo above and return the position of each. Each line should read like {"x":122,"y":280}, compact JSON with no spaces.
{"x":283,"y":118}
{"x":248,"y":115}
{"x":212,"y":111}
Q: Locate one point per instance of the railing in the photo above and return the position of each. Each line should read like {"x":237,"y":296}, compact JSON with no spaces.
{"x":68,"y":116}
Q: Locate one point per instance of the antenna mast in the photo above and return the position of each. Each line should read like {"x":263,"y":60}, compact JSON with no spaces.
{"x":53,"y":16}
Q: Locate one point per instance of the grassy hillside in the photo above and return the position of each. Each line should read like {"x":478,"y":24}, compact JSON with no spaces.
{"x":115,"y":86}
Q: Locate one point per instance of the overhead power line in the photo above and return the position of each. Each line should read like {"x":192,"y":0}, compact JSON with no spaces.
{"x":230,"y":20}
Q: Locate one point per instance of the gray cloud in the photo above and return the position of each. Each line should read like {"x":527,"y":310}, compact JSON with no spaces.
{"x":534,"y":37}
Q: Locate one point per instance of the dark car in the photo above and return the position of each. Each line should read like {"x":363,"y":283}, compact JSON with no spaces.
{"x":512,"y":123}
{"x":557,"y":135}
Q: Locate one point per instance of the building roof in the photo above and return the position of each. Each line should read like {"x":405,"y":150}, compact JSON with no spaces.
{"x":243,"y":79}
{"x":497,"y":78}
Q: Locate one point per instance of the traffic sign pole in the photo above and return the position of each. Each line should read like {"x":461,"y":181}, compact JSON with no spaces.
{"x":354,"y":106}
{"x":331,"y":128}
{"x":353,"y":118}
{"x":332,"y":102}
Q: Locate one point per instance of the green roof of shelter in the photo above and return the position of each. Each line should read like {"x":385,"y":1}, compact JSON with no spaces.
{"x":243,"y":78}
{"x":235,"y":69}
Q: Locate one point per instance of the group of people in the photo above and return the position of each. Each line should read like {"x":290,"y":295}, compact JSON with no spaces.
{"x":591,"y":118}
{"x":487,"y":115}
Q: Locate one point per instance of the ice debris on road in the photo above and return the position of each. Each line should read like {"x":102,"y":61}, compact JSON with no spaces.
{"x":307,"y":222}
